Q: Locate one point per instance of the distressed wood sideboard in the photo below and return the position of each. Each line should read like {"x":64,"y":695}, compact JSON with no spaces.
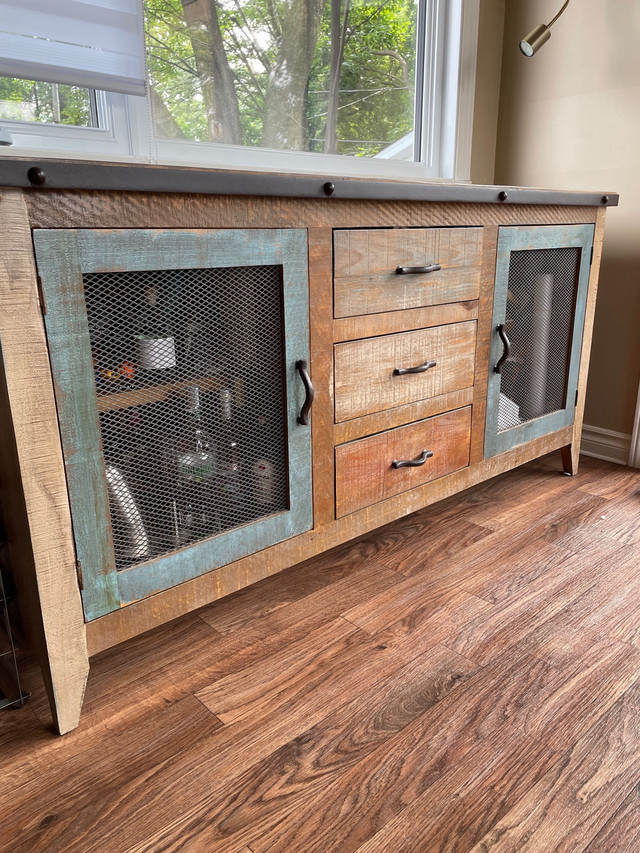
{"x":445,"y":330}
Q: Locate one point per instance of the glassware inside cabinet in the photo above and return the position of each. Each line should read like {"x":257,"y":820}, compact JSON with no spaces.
{"x":189,"y":378}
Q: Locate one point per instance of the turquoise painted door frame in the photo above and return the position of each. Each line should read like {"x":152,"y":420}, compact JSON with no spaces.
{"x":63,"y":257}
{"x":522,"y":239}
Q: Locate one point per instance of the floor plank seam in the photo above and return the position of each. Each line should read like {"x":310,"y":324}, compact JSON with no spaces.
{"x":209,"y":711}
{"x":217,"y":634}
{"x":356,"y":626}
{"x":629,"y":643}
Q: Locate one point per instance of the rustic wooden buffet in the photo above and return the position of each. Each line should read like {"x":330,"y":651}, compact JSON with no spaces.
{"x":445,"y":330}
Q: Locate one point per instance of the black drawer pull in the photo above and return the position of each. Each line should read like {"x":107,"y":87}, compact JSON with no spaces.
{"x":417,"y":270}
{"x":421,"y":368}
{"x":303,"y":417}
{"x":413,"y":463}
{"x":507,"y":347}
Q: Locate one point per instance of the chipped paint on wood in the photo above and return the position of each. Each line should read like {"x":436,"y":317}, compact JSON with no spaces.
{"x":63,"y":258}
{"x":521,"y":238}
{"x":70,"y":352}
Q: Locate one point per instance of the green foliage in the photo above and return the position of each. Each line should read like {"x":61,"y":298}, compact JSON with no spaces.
{"x":376,"y":88}
{"x":375,"y":105}
{"x":26,"y":100}
{"x":172,"y":70}
{"x":376,"y":83}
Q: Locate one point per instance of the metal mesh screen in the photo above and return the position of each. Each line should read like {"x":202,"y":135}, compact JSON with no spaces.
{"x":540,"y":305}
{"x":189,"y":376}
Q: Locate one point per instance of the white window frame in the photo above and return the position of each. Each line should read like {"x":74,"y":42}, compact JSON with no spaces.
{"x":116,"y":138}
{"x":444,"y":96}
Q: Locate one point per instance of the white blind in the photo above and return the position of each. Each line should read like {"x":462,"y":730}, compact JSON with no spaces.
{"x":97,"y":44}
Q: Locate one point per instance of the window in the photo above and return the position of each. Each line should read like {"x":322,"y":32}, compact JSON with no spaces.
{"x":361,"y":87}
{"x":49,"y":103}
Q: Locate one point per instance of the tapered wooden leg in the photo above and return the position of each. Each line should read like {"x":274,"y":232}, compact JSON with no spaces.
{"x":33,"y":487}
{"x":570,"y":455}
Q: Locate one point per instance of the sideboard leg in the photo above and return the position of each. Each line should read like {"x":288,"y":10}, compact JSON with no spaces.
{"x":65,"y":667}
{"x":570,"y":456}
{"x":33,"y":488}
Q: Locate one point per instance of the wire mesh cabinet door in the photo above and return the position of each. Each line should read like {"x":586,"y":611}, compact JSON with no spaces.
{"x":542,"y":276}
{"x":179,"y":361}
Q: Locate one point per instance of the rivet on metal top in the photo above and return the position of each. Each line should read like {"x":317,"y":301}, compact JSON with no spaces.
{"x":36,"y":176}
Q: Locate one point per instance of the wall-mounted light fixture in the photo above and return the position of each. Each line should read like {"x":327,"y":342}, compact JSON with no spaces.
{"x":539,"y":35}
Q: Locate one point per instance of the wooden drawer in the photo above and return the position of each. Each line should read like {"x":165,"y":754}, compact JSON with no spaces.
{"x":364,"y":378}
{"x":365,"y":263}
{"x":364,"y":471}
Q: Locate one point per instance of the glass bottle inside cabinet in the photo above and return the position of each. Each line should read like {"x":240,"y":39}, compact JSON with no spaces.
{"x":192,"y":470}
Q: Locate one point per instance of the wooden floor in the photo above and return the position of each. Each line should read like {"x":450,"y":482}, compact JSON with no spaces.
{"x":467,"y":679}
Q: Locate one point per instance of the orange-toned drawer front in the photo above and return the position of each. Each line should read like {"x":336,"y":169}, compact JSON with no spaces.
{"x":364,"y":370}
{"x":364,"y":471}
{"x":365,"y":263}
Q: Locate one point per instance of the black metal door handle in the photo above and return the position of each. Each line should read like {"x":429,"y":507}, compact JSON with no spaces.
{"x":418,"y":270}
{"x":413,"y":463}
{"x":421,"y":368}
{"x":507,"y":347}
{"x":303,"y":417}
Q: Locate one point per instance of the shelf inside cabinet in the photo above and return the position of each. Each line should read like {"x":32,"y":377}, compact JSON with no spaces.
{"x":142,"y":396}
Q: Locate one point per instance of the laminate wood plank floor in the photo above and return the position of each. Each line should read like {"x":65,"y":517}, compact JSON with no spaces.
{"x":464,"y":679}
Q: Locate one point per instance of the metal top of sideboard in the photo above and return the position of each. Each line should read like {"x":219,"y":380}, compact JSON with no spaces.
{"x":84,"y":175}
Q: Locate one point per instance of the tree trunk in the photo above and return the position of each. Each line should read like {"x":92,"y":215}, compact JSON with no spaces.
{"x":164,"y":124}
{"x":338,"y":37}
{"x":216,"y":76}
{"x":285,"y":117}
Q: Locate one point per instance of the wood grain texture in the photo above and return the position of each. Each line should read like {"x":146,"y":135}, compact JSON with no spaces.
{"x":621,"y":484}
{"x":60,"y":267}
{"x":353,"y":328}
{"x":102,"y":209}
{"x":243,"y":694}
{"x":349,"y":724}
{"x":64,"y":817}
{"x":483,"y":341}
{"x":467,"y":799}
{"x":164,"y":606}
{"x":571,"y":460}
{"x":365,"y":263}
{"x":307,"y":764}
{"x":54,"y":208}
{"x":364,"y":370}
{"x":528,"y":607}
{"x":365,"y":473}
{"x":347,"y":568}
{"x":567,"y":806}
{"x":320,"y":333}
{"x":622,"y":830}
{"x":369,"y":795}
{"x":401,"y":415}
{"x":44,"y":554}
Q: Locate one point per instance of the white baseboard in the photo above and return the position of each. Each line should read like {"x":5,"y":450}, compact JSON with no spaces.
{"x":605,"y":444}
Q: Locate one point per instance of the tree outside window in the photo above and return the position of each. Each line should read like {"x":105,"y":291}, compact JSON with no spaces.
{"x":327,"y":76}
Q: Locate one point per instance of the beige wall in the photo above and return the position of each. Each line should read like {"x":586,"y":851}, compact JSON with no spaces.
{"x":487,"y":95}
{"x":569,"y":118}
